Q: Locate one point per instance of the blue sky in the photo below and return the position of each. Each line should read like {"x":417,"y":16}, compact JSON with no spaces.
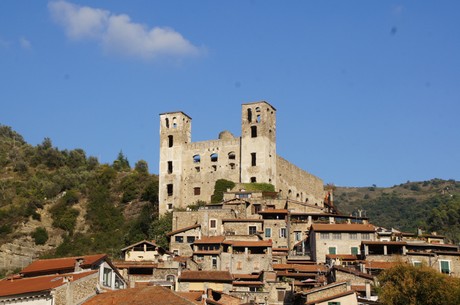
{"x":370,"y":88}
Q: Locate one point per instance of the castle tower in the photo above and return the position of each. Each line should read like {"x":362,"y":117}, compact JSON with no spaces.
{"x":258,"y":143}
{"x":175,"y":134}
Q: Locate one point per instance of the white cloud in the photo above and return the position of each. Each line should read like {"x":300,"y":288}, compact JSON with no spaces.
{"x":25,"y":44}
{"x":117,"y":33}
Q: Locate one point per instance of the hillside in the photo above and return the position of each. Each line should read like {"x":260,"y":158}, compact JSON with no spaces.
{"x":61,"y":202}
{"x":432,"y":205}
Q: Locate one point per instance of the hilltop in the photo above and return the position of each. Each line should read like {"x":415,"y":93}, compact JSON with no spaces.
{"x":432,"y":205}
{"x":62,"y":202}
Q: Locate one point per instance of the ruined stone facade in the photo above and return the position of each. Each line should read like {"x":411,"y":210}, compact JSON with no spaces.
{"x":189,"y":170}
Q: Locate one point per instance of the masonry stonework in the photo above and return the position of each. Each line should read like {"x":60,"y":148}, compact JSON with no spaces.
{"x":189,"y":170}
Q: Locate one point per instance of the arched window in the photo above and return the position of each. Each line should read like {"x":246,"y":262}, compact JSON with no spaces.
{"x":258,"y":120}
{"x":167,"y":122}
{"x":174,"y":122}
{"x":257,"y":109}
{"x":214,"y":157}
{"x":170,"y":278}
{"x":231,"y":155}
{"x":196,"y":159}
{"x":249,"y":115}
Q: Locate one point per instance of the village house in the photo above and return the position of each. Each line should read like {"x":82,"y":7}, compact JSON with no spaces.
{"x":145,"y":263}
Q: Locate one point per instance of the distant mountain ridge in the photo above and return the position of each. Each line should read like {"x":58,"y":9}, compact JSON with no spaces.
{"x":432,"y":205}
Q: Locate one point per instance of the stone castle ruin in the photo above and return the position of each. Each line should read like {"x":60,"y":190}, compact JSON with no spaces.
{"x":188,"y":170}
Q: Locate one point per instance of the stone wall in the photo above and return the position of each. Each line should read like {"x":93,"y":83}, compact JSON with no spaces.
{"x":76,"y":292}
{"x":297,"y":184}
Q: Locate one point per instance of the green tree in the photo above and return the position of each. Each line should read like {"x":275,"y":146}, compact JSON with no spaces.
{"x":160,"y":227}
{"x":220,"y":187}
{"x":40,"y":236}
{"x":141,"y":167}
{"x":409,"y":285}
{"x":121,"y":163}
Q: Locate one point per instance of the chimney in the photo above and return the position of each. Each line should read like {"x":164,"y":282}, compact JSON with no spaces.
{"x":78,"y":263}
{"x":368,"y":290}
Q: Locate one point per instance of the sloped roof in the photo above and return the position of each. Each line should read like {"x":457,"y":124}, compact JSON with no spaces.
{"x":331,"y":297}
{"x":251,"y":243}
{"x":183,"y":229}
{"x":209,"y":240}
{"x":200,"y":276}
{"x":343,"y":227}
{"x":37,"y":284}
{"x":274,"y":211}
{"x":62,"y":264}
{"x":353,"y":271}
{"x":300,"y":267}
{"x":150,"y":295}
{"x":141,"y":242}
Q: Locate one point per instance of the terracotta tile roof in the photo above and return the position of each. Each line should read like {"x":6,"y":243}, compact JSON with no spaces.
{"x":64,"y":264}
{"x":183,"y":229}
{"x":295,"y":274}
{"x":209,"y":240}
{"x":281,"y":249}
{"x":299,"y":267}
{"x":381,"y":242}
{"x":354,"y":271}
{"x":342,"y":256}
{"x":141,"y":242}
{"x":346,"y":227}
{"x":150,"y":295}
{"x":134,"y":264}
{"x":248,"y":283}
{"x":249,"y":243}
{"x":379,"y":265}
{"x":332,"y":297}
{"x":242,"y":220}
{"x":274,"y":211}
{"x":246,"y":276}
{"x":193,"y":296}
{"x":207,"y":252}
{"x":37,"y":284}
{"x":201,"y":276}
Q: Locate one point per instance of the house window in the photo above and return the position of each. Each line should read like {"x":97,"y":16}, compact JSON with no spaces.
{"x":253,"y":159}
{"x":176,"y":252}
{"x":283,"y":232}
{"x":365,"y":236}
{"x":445,"y":267}
{"x":333,"y":303}
{"x":253,"y":131}
{"x":253,"y":289}
{"x":190,"y":239}
{"x":256,"y":209}
{"x":259,"y":119}
{"x":268,"y":232}
{"x":354,"y":250}
{"x":231,"y":155}
{"x":249,"y":115}
{"x":253,"y":179}
{"x":212,"y":223}
{"x":252,"y":230}
{"x":170,"y":206}
{"x":179,"y":239}
{"x":169,"y":189}
{"x":332,"y":250}
{"x":170,"y":141}
{"x":281,"y":294}
{"x":196,"y":159}
{"x":336,"y":235}
{"x":324,"y":236}
{"x":214,"y":157}
{"x":214,"y":262}
{"x":417,"y":263}
{"x":298,"y":235}
{"x":107,"y":277}
{"x":167,"y":122}
{"x":353,"y":236}
{"x":174,"y":120}
{"x":196,"y":191}
{"x":170,"y":278}
{"x":170,"y":167}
